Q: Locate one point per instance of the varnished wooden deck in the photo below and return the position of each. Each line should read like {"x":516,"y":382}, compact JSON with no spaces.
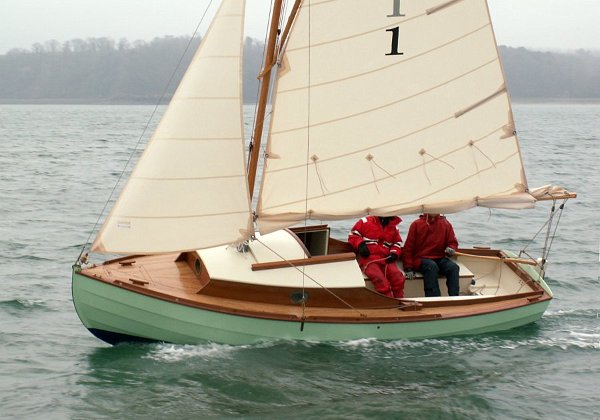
{"x":171,"y":277}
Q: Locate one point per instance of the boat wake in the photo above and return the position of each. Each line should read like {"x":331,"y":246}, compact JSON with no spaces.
{"x":177,"y":353}
{"x":458,"y":346}
{"x":565,"y":340}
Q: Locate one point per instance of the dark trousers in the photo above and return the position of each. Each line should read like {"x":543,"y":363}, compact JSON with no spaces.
{"x":431,"y":269}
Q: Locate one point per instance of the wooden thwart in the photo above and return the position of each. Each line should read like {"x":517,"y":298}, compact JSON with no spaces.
{"x":320,"y":259}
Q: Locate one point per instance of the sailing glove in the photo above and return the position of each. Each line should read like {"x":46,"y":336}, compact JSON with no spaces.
{"x":450,"y":252}
{"x":409,"y":274}
{"x":363,"y":250}
{"x":391,"y":258}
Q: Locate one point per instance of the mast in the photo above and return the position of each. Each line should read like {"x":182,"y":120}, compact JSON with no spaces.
{"x":264,"y":92}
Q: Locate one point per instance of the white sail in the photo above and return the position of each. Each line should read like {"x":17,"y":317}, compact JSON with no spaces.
{"x":389,"y":107}
{"x":189,"y":189}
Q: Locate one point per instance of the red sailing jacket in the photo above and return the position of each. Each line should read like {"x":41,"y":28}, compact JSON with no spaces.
{"x":428,"y":237}
{"x":381,"y":241}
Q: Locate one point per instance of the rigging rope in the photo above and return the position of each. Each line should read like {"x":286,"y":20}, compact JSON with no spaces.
{"x":550,"y":235}
{"x":561,"y":208}
{"x":308,"y":152}
{"x":145,"y":129}
{"x":310,"y":278}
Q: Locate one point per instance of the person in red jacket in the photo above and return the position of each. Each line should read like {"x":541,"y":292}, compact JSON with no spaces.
{"x":379,"y":245}
{"x":429,"y":245}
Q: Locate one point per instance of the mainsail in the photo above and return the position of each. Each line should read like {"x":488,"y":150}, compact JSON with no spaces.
{"x":389,"y":107}
{"x":189,"y":189}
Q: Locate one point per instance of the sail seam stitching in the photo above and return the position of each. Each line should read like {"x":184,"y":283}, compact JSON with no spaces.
{"x":219,"y":56}
{"x":407,"y":170}
{"x":446,"y":187}
{"x":319,"y":44}
{"x":392,"y":141}
{"x":470,"y":144}
{"x":196,"y":139}
{"x":406,"y":98}
{"x":229,"y":98}
{"x":200,"y":178}
{"x":398,"y":22}
{"x":424,"y":53}
{"x":191,"y":216}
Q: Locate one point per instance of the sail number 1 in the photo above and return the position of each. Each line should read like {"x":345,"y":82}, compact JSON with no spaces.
{"x":394,"y":50}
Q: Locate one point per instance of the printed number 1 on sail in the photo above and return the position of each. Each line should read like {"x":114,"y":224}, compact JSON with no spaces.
{"x":396,"y":11}
{"x":395,"y":31}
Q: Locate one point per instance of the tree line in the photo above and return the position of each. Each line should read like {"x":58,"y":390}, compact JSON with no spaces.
{"x":550,"y":75}
{"x":101,"y":70}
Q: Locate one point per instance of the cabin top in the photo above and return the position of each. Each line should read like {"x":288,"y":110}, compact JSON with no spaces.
{"x":236,"y":266}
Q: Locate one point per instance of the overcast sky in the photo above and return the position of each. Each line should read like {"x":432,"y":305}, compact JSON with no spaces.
{"x":539,"y":24}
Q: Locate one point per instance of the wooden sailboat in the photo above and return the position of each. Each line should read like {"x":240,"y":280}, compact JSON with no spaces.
{"x":382,"y":107}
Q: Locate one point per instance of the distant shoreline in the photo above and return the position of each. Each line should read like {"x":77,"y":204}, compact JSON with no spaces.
{"x":79,"y":101}
{"x":70,"y":101}
{"x":102,"y":72}
{"x":565,"y":101}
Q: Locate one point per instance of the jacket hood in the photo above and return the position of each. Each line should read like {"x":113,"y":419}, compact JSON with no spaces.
{"x":393,"y":220}
{"x":428,"y":218}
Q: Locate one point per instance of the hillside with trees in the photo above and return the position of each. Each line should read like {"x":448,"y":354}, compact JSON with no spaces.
{"x":548,"y":75}
{"x":100,"y":70}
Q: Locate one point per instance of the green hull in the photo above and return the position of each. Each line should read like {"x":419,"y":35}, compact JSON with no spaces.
{"x":115,"y":314}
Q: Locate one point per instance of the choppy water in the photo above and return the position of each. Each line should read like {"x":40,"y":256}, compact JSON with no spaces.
{"x":57,"y":167}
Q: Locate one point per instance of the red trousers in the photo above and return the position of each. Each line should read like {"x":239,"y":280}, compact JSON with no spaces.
{"x":386,"y":278}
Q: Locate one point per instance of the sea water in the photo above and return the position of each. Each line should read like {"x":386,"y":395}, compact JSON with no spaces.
{"x":58,"y":165}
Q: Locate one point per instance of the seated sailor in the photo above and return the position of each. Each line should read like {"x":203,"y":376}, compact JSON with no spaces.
{"x":378,"y":244}
{"x":429,"y":245}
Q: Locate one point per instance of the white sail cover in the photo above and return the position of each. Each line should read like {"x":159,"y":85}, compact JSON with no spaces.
{"x":389,"y":107}
{"x":189,"y":190}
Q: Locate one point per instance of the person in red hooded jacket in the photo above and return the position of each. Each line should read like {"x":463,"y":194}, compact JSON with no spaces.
{"x":429,"y":245}
{"x":379,"y":245}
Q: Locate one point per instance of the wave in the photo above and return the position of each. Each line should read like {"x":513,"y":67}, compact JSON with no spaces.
{"x":29,"y":258}
{"x":576,"y":341}
{"x":588,"y":313}
{"x":23,"y":304}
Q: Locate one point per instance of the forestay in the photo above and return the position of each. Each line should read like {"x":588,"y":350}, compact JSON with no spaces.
{"x":389,"y":107}
{"x":189,"y":189}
